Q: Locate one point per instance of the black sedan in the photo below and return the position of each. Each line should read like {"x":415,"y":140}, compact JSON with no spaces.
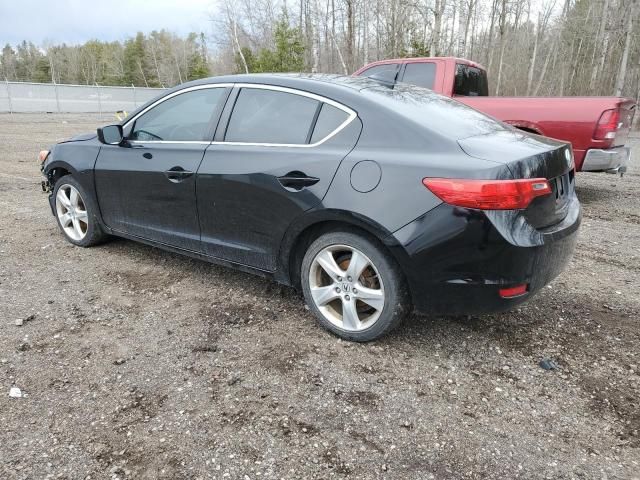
{"x":371,"y":199}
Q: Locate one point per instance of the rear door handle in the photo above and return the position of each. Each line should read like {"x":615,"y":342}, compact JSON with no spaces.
{"x":297,"y":181}
{"x":177,"y":174}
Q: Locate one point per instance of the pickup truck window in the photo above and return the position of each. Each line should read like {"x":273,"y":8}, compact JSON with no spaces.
{"x":421,"y":74}
{"x":387,"y":71}
{"x":470,"y":81}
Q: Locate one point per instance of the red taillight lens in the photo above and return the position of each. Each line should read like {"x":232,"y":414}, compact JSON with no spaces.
{"x":488,"y":194}
{"x":513,"y":291}
{"x":607,"y":125}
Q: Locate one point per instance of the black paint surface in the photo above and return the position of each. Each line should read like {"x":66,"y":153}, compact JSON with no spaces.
{"x":234,"y":208}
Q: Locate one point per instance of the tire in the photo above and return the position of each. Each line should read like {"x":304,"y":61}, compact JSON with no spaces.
{"x":375,"y":302}
{"x":81,"y":226}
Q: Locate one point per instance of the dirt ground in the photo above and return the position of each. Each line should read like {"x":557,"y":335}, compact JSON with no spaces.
{"x":137,"y":363}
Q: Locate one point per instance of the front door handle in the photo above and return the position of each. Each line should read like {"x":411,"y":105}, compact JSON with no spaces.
{"x":177,"y":174}
{"x":297,"y":181}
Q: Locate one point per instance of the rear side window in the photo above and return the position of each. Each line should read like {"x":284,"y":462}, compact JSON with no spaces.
{"x":470,"y":81}
{"x":185,"y":117}
{"x":329,"y":119}
{"x":270,"y":116}
{"x":386,"y":72}
{"x":420,"y":74}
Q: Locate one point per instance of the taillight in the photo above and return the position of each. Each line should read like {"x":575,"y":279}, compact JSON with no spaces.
{"x":513,"y":291}
{"x":488,"y":194}
{"x":607,"y":125}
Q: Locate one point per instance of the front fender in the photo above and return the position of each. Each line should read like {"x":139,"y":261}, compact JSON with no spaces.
{"x":60,"y":165}
{"x":77,"y":159}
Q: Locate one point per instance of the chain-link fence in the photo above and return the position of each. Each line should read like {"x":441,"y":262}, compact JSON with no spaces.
{"x":48,"y":97}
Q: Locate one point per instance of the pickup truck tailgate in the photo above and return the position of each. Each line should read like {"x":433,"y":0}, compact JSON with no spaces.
{"x":627,"y":109}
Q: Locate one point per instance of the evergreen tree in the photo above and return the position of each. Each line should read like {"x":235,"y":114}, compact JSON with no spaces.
{"x":134,"y":63}
{"x":286,"y":56}
{"x":197,"y":63}
{"x":43,"y":71}
{"x":8,"y":63}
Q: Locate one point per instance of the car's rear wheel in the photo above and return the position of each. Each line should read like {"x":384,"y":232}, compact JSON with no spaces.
{"x":75,"y":213}
{"x":354,"y":287}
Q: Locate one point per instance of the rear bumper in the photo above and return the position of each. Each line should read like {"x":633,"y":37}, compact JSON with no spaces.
{"x":612,"y":160}
{"x":456,"y":260}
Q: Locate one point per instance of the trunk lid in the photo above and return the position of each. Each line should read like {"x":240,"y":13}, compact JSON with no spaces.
{"x":531,"y":156}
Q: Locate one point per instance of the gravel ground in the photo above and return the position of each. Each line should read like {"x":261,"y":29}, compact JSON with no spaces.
{"x":137,"y":363}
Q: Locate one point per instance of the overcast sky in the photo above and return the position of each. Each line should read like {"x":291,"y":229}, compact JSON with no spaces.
{"x":75,"y":21}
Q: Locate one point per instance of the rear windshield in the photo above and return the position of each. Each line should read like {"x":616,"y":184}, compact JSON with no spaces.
{"x":470,"y":81}
{"x":438,"y":113}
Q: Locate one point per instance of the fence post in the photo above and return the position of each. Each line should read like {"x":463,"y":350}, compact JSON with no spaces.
{"x":135,"y":101}
{"x":99,"y":100}
{"x":9,"y":95}
{"x":55,"y":88}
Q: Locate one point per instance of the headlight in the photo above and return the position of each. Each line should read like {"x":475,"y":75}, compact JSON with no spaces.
{"x":42,"y":156}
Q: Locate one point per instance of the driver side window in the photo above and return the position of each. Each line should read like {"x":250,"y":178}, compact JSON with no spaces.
{"x":185,"y":117}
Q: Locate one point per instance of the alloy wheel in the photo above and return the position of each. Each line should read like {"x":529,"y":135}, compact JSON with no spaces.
{"x":346,"y":287}
{"x":72,"y":212}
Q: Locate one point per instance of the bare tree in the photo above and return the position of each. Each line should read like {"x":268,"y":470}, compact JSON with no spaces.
{"x":622,"y":71}
{"x":530,"y":47}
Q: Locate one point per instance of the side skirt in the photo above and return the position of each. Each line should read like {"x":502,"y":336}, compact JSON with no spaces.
{"x":272,"y":275}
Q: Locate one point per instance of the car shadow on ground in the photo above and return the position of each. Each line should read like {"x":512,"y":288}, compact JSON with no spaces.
{"x":418,"y":327}
{"x":590,"y":194}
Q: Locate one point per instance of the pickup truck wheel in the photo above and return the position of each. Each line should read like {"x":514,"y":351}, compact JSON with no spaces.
{"x":354,"y":286}
{"x":75,"y":213}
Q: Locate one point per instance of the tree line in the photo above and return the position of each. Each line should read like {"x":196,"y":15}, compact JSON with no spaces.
{"x":529,"y":47}
{"x":159,"y":59}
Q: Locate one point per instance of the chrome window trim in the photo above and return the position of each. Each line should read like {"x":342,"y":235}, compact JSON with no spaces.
{"x":193,"y":142}
{"x":171,"y":95}
{"x":260,"y":86}
{"x":351,"y":116}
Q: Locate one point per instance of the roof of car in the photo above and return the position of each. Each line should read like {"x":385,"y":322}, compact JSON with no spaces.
{"x":405,"y":106}
{"x":340,"y":88}
{"x":288,"y":79}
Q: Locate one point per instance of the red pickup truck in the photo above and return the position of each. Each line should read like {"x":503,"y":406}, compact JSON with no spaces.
{"x":597,"y":127}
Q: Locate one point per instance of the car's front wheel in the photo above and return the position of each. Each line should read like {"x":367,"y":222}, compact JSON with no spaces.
{"x":76,"y":214}
{"x":354,"y":286}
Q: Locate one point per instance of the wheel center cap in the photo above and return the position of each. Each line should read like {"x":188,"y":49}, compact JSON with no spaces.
{"x":346,"y":287}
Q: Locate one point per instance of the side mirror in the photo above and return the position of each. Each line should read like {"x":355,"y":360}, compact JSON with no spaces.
{"x":111,"y":134}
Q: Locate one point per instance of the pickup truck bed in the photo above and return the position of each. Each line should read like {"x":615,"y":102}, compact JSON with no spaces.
{"x":596,"y":127}
{"x":576,"y":121}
